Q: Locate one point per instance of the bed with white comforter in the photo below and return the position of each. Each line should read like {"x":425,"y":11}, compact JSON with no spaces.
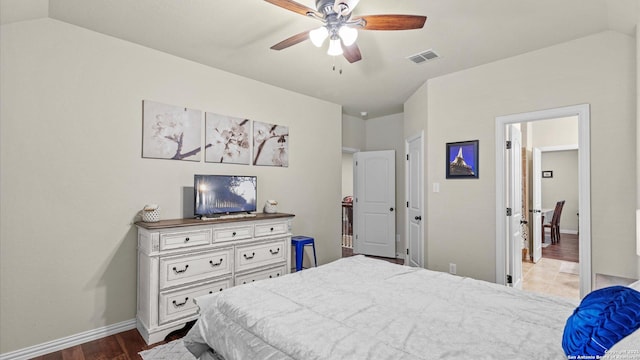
{"x":362,"y":308}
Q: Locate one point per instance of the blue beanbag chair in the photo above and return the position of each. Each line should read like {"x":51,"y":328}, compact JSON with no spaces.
{"x":603,"y":318}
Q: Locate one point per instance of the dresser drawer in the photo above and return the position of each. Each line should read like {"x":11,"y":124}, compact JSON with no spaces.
{"x":232,"y":233}
{"x":275,"y":228}
{"x":260,"y":275}
{"x":178,"y":270}
{"x":176,"y":240}
{"x":177,"y":304}
{"x":252,"y":256}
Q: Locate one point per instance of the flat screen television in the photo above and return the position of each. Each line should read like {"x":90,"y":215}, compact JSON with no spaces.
{"x":224,"y":194}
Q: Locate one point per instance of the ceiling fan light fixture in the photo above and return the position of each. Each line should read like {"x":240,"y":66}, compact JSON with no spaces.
{"x":335,"y":48}
{"x":348,"y":35}
{"x":318,"y":35}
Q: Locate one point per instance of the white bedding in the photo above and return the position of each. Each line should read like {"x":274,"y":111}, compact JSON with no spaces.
{"x":361,"y":308}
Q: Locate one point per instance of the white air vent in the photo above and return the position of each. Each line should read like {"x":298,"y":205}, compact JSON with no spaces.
{"x":424,"y":56}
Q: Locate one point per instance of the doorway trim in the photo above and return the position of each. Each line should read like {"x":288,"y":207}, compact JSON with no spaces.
{"x":407,"y":142}
{"x":584,"y":187}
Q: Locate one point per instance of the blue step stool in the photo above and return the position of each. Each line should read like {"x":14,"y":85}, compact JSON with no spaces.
{"x":300,"y":242}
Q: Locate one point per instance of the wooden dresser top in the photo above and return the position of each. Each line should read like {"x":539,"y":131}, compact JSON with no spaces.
{"x":172,"y":223}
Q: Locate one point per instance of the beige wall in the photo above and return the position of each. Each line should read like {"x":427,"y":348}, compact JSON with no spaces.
{"x":562,"y":186}
{"x":353,"y":132}
{"x":464,"y":106}
{"x":554,"y":132}
{"x":72,"y":178}
{"x":347,"y":174}
{"x":415,"y":113}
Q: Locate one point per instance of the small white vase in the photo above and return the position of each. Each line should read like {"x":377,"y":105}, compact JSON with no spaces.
{"x":271,"y":207}
{"x":150,"y":213}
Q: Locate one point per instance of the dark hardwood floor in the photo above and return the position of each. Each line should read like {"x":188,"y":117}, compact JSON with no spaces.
{"x":122,"y":346}
{"x":566,"y":249}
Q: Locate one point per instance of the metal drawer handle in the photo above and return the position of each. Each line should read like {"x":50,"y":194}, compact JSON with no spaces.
{"x":215,"y":264}
{"x":186,"y":239}
{"x":233,"y":234}
{"x":271,"y":229}
{"x":253,"y":254}
{"x":274,"y":252}
{"x":211,"y":291}
{"x":271,"y":276}
{"x":180,"y":271}
{"x":181,"y":304}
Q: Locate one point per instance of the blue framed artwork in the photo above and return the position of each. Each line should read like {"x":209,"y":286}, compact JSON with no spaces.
{"x":462,"y":160}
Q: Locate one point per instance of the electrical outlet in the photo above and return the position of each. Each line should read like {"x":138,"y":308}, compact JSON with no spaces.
{"x":452,"y":268}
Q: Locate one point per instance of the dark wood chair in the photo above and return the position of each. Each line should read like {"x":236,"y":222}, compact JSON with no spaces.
{"x":554,"y":224}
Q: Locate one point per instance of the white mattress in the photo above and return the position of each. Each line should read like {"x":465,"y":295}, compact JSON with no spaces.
{"x":361,"y":308}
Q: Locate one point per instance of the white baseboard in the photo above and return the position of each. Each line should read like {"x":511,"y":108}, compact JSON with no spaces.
{"x":69,"y":341}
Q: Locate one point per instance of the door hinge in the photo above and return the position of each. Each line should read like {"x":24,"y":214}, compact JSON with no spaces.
{"x":509,"y":211}
{"x":407,"y":156}
{"x":407,"y":204}
{"x":356,"y":163}
{"x":407,"y":251}
{"x":509,"y":279}
{"x":508,"y":144}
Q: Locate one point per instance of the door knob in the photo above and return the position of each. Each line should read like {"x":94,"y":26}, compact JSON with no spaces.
{"x":390,"y":209}
{"x":418,"y":217}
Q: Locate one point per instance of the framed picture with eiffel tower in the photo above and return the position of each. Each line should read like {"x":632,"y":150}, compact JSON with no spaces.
{"x":462,"y":160}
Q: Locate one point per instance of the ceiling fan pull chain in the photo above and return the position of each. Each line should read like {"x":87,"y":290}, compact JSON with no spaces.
{"x":339,"y":70}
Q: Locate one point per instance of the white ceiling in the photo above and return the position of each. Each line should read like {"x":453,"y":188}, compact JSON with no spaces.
{"x":235,"y":35}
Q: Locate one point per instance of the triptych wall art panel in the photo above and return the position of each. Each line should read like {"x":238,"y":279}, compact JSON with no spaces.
{"x":227,"y":139}
{"x":270,"y":144}
{"x":170,"y":132}
{"x":173,"y":132}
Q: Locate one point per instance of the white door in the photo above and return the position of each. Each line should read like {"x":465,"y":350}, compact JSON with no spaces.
{"x":415,"y":213}
{"x":514,"y":202}
{"x":374,"y":213}
{"x":537,"y":204}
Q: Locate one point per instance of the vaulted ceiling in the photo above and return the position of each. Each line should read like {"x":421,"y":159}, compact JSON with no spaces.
{"x":235,"y":36}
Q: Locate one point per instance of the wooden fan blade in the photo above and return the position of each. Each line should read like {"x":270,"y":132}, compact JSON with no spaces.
{"x":295,"y":39}
{"x":351,"y":53}
{"x":294,"y":6}
{"x":393,"y":22}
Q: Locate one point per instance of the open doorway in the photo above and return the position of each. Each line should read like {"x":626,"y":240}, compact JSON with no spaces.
{"x":552,"y":162}
{"x":507,"y":264}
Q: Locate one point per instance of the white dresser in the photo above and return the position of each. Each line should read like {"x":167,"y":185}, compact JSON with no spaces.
{"x":181,"y":259}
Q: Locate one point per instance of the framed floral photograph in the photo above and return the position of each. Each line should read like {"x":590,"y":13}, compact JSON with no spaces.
{"x":462,"y":160}
{"x":170,"y":132}
{"x":227,"y":139}
{"x":270,"y":144}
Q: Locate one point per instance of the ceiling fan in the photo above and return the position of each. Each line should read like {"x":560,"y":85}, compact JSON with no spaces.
{"x":341,"y":27}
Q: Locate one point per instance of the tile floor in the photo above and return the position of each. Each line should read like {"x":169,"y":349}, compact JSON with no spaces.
{"x":552,"y":277}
